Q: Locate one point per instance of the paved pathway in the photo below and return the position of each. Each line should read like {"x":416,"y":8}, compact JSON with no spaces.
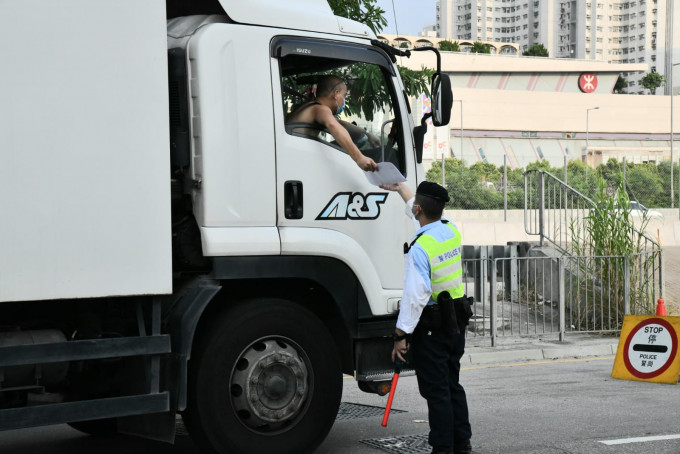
{"x":671,"y":257}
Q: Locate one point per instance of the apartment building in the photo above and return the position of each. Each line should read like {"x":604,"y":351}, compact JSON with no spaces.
{"x":615,"y":31}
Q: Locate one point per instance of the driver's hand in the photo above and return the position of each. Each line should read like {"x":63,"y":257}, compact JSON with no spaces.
{"x":390,"y":187}
{"x":367,"y":164}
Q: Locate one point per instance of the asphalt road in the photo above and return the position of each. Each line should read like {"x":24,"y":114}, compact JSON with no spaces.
{"x":547,"y":407}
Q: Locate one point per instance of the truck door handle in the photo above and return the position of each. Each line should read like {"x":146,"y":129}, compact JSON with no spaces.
{"x":292,"y":199}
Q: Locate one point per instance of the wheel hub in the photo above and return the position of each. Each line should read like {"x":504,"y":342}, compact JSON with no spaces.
{"x":269,"y":384}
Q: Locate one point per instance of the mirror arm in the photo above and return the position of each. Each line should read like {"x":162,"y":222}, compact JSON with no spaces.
{"x":391,"y":51}
{"x":433,"y":49}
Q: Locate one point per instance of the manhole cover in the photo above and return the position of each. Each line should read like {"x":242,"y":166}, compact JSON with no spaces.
{"x":352,"y":411}
{"x":404,"y":444}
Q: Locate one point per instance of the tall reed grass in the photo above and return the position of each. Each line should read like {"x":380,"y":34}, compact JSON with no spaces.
{"x":611,"y":255}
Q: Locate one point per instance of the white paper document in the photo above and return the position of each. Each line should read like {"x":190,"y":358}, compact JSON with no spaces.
{"x":387,"y":173}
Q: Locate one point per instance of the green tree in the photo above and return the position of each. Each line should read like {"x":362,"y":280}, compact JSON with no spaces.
{"x":652,"y":81}
{"x":621,"y":84}
{"x":664,"y":170}
{"x":479,"y":47}
{"x":645,"y":185}
{"x":466,"y":189}
{"x":485,"y":171}
{"x":537,"y":50}
{"x":540,"y":165}
{"x":368,"y":93}
{"x":415,"y":82}
{"x":365,"y":11}
{"x":450,"y":46}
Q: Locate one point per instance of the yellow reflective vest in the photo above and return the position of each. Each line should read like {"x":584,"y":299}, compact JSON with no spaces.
{"x":446,"y":268}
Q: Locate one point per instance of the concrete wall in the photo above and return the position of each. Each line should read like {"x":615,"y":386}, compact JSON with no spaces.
{"x":488,"y":227}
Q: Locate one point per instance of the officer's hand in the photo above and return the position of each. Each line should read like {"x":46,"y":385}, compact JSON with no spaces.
{"x":367,"y":164}
{"x":400,"y":349}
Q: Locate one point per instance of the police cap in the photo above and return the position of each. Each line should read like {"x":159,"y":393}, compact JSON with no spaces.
{"x":433,"y":190}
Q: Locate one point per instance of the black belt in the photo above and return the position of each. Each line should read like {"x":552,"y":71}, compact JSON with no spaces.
{"x":435,"y":318}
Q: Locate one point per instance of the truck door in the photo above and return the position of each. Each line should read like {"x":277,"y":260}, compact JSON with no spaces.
{"x":326,"y":205}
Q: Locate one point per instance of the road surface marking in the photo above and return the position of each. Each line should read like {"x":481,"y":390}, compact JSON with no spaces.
{"x":624,"y":441}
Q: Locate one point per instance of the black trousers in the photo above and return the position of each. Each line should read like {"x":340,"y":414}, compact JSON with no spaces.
{"x":436,"y":359}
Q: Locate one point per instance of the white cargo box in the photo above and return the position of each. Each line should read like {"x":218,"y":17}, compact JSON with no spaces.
{"x":84,"y":155}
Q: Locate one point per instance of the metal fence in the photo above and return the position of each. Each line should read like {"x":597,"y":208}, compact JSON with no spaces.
{"x":559,"y":215}
{"x":484,"y":186}
{"x":563,"y":285}
{"x":558,"y":294}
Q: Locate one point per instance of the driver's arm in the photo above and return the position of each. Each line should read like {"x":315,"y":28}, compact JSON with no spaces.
{"x":357,"y":132}
{"x":324,"y":116}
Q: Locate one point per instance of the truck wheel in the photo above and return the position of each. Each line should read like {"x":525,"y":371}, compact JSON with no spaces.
{"x":266,"y":378}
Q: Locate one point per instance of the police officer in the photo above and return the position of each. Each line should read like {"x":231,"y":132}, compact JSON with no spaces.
{"x":433,"y":266}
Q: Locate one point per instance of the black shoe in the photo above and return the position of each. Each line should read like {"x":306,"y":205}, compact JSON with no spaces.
{"x":442,"y":450}
{"x":463,"y":447}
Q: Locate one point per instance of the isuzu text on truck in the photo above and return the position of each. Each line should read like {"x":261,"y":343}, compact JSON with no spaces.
{"x":222,"y":265}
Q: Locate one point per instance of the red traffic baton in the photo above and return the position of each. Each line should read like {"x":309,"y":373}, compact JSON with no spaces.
{"x":398,"y":364}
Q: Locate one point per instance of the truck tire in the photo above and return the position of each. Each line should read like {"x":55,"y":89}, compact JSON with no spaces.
{"x":266,"y":378}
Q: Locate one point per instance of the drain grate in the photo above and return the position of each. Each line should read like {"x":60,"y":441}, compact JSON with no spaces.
{"x":180,"y":428}
{"x":349,"y":410}
{"x":346,"y":411}
{"x":404,"y":444}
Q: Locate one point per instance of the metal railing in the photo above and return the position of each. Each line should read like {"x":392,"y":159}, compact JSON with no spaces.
{"x":566,"y":286}
{"x":558,"y":214}
{"x":557,"y":295}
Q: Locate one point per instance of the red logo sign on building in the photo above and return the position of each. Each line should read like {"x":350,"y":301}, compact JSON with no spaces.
{"x":587,"y":82}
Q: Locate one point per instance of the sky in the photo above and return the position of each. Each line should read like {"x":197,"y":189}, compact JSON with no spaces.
{"x":411,"y":15}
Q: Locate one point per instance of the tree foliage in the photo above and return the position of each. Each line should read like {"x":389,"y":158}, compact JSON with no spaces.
{"x":416,"y":82}
{"x":652,"y":81}
{"x":621,"y":84}
{"x":479,"y":47}
{"x":468,"y":187}
{"x":368,"y":93}
{"x":450,"y":46}
{"x":370,"y":14}
{"x":537,"y":50}
{"x":365,"y":11}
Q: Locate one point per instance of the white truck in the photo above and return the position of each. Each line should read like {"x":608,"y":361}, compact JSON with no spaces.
{"x":168,"y":244}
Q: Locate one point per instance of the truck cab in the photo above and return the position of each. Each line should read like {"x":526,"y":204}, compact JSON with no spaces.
{"x":245,"y":281}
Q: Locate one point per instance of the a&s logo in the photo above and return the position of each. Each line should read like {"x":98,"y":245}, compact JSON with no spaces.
{"x":347,"y":205}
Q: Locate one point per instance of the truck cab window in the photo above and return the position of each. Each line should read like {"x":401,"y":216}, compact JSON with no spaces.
{"x":369,"y":113}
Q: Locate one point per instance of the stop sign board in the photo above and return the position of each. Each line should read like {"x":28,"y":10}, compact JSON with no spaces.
{"x":648,"y":348}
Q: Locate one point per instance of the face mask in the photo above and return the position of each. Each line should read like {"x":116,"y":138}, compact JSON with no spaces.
{"x":340,"y":108}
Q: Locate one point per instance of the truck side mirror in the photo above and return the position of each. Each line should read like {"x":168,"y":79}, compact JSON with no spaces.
{"x":442,"y":99}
